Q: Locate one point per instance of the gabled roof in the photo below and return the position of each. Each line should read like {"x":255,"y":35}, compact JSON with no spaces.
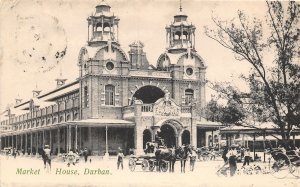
{"x":43,"y":100}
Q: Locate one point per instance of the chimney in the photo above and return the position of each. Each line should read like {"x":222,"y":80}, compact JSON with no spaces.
{"x":18,"y":100}
{"x":60,"y":81}
{"x":137,"y":56}
{"x":36,"y":92}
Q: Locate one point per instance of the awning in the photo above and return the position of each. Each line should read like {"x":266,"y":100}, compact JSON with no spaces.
{"x":102,"y":123}
{"x":259,"y":130}
{"x":210,"y":125}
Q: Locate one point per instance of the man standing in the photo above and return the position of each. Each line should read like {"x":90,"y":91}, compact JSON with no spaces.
{"x":224,"y":154}
{"x":85,"y":154}
{"x":231,"y":155}
{"x":47,"y":156}
{"x":120,"y":158}
{"x":247,"y":157}
{"x":193,"y":156}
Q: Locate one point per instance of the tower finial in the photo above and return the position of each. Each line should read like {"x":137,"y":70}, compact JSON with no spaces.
{"x":180,"y":8}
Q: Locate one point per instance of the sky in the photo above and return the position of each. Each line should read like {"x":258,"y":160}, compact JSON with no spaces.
{"x":41,"y":38}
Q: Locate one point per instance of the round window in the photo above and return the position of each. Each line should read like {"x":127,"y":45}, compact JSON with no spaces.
{"x":110,"y":65}
{"x":189,"y":71}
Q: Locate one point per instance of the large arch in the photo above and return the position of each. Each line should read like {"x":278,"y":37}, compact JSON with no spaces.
{"x":170,"y":129}
{"x":148,"y":94}
{"x":169,"y":135}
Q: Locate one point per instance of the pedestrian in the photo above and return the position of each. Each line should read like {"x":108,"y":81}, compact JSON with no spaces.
{"x":213,"y":154}
{"x":71,"y":158}
{"x":242,"y":150}
{"x":225,"y":151}
{"x":47,"y":156}
{"x":231,"y":155}
{"x":120,"y":158}
{"x":85,"y":154}
{"x":7,"y":153}
{"x":247,"y":157}
{"x":192,"y":156}
{"x":14,"y":153}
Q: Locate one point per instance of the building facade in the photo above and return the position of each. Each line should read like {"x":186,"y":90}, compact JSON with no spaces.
{"x":119,"y":98}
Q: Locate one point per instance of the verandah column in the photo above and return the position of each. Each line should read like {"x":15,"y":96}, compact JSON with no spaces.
{"x":106,"y":142}
{"x":21,"y":148}
{"x":254,"y":146}
{"x":17,"y":142}
{"x":25,"y":147}
{"x":66,"y":138}
{"x":37,"y":143}
{"x":76,"y":146}
{"x":43,"y":140}
{"x":31,"y":141}
{"x":90,"y":138}
{"x":58,"y":140}
{"x":12,"y":141}
{"x":50,"y":139}
{"x":70,"y":137}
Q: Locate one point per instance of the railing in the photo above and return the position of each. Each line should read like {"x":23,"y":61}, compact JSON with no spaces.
{"x":147,"y":108}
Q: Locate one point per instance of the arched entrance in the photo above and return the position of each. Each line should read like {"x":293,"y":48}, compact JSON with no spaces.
{"x":148,"y":94}
{"x":185,"y":137}
{"x":147,"y":137}
{"x":167,"y":133}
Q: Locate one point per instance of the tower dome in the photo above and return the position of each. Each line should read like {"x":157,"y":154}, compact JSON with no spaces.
{"x":180,"y":33}
{"x":103,"y":25}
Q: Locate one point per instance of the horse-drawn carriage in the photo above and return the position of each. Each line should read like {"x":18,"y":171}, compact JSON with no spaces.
{"x":160,"y":157}
{"x":147,"y":161}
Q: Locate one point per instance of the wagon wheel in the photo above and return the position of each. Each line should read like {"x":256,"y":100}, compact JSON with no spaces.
{"x":151,"y":165}
{"x":132,"y":164}
{"x":295,"y":170}
{"x":205,"y":157}
{"x":145,"y":165}
{"x":164,"y":166}
{"x":280,"y":167}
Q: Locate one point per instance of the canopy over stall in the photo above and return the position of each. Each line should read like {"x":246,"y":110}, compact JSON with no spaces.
{"x":267,"y":130}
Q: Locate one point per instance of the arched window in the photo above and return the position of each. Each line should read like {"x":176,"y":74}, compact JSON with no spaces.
{"x":61,"y":119}
{"x":68,"y":117}
{"x":216,"y":139}
{"x":75,"y":115}
{"x":188,"y":94}
{"x":85,"y":97}
{"x":109,"y":95}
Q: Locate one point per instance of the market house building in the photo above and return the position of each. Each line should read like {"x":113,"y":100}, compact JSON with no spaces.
{"x":119,"y":98}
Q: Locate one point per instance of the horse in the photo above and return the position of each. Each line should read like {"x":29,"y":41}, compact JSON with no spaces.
{"x":166,"y":154}
{"x":183,"y":155}
{"x":46,"y":158}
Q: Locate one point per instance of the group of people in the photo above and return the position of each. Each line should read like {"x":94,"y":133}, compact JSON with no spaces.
{"x":11,"y":151}
{"x":230,"y":156}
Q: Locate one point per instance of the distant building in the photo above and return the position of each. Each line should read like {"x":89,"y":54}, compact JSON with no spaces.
{"x":119,"y":99}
